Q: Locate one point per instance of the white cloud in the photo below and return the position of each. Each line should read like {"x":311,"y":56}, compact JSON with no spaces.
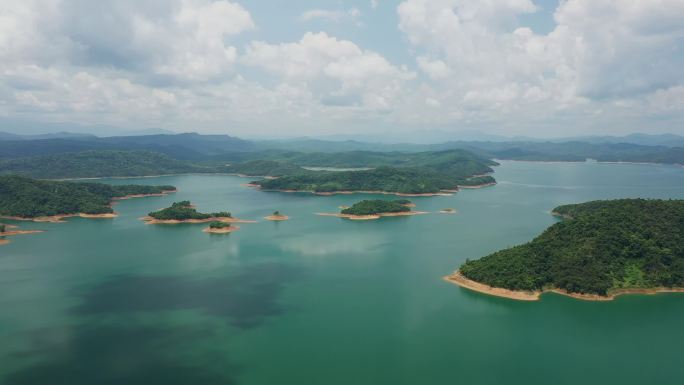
{"x":333,"y":69}
{"x":481,"y":59}
{"x":203,"y":64}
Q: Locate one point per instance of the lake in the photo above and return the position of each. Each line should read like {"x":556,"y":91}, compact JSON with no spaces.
{"x":324,"y":300}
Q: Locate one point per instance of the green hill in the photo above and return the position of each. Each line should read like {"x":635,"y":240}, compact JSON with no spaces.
{"x":599,"y":247}
{"x":30,"y":198}
{"x":101,"y":163}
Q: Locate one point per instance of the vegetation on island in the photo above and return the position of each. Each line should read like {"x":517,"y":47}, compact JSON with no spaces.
{"x":3,"y":228}
{"x":183,"y":210}
{"x":219,"y":225}
{"x":599,"y":247}
{"x":376,"y":206}
{"x":386,"y":179}
{"x":30,"y":198}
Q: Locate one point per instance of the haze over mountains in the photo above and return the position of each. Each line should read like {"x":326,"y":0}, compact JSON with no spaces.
{"x":668,"y":149}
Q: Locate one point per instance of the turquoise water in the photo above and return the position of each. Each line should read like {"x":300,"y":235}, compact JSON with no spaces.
{"x":322,"y":300}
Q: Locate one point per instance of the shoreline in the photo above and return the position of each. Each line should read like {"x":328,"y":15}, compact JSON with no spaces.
{"x":371,"y":216}
{"x":225,"y":230}
{"x":20,"y":232}
{"x":476,"y":186}
{"x":133,"y":196}
{"x":152,"y":221}
{"x":60,"y":218}
{"x":347,"y":192}
{"x":277,"y":218}
{"x":460,"y":280}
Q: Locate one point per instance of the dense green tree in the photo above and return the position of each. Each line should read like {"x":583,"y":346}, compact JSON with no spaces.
{"x":25,"y":197}
{"x":601,"y":245}
{"x":376,"y":206}
{"x":183,"y":211}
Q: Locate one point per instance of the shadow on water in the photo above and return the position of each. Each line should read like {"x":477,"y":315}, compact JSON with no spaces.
{"x":244,"y":299}
{"x":134,"y":353}
{"x":131,"y":355}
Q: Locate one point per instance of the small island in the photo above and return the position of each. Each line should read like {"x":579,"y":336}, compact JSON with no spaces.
{"x":599,"y":250}
{"x":51,"y":201}
{"x":185,"y":212}
{"x":448,"y":210}
{"x":277,"y":216}
{"x":217,"y":227}
{"x":375,"y":209}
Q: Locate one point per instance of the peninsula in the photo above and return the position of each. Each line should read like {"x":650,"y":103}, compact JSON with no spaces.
{"x":600,"y":250}
{"x":375,"y":209}
{"x":24,"y":198}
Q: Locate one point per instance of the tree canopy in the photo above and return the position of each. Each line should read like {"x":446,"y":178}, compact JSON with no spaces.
{"x":600,"y":246}
{"x":376,"y":206}
{"x":25,"y":197}
{"x":183,"y":211}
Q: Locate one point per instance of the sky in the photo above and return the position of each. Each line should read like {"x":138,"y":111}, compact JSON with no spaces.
{"x":410,"y":69}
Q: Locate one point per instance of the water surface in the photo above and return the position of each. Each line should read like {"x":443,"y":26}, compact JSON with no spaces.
{"x":322,"y":300}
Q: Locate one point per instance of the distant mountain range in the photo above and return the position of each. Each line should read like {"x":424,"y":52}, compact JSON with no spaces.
{"x":56,"y":135}
{"x":179,"y":146}
{"x":667,"y":148}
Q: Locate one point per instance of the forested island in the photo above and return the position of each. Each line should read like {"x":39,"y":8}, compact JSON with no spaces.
{"x":375,"y":209}
{"x":183,"y":211}
{"x":424,"y":173}
{"x":601,"y":249}
{"x":218,"y":227}
{"x":385,"y":179}
{"x":26,"y":198}
{"x":377,"y":206}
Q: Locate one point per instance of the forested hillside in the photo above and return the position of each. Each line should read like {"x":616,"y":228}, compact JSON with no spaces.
{"x":601,"y":246}
{"x":29,"y":198}
{"x":103,"y":163}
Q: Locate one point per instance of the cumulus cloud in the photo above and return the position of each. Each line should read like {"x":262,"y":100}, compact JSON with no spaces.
{"x":205,"y":64}
{"x":600,"y":52}
{"x":332,"y":68}
{"x":122,"y":57}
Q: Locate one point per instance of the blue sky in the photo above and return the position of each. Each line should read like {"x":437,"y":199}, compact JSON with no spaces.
{"x":411,"y":69}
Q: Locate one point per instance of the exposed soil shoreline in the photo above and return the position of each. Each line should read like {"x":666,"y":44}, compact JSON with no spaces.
{"x":4,"y":241}
{"x":458,"y":279}
{"x":59,"y":218}
{"x":152,"y":221}
{"x":132,"y":196}
{"x":345,"y":192}
{"x":476,"y":186}
{"x":371,"y":216}
{"x":277,"y":217}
